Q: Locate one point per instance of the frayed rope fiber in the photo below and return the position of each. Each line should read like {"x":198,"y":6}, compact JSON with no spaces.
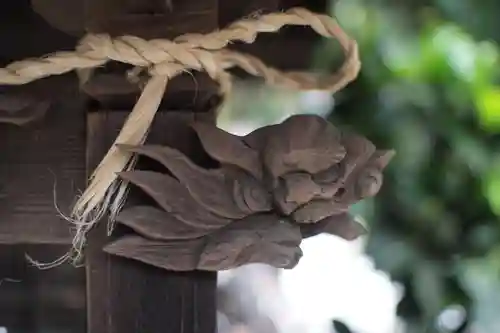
{"x":162,"y":60}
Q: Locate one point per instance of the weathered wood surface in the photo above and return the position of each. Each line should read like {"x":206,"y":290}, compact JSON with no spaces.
{"x":123,"y":295}
{"x":150,"y":19}
{"x":230,"y":11}
{"x":42,"y":164}
{"x":128,"y":296}
{"x":34,"y":300}
{"x":28,"y":35}
{"x":112,"y":90}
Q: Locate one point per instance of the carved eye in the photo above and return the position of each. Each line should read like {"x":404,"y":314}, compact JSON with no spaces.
{"x":369,"y":183}
{"x":250,"y":196}
{"x":328,"y":176}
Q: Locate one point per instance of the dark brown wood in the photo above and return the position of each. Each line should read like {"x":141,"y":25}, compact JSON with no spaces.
{"x":255,"y":239}
{"x":66,"y":16}
{"x":19,"y":23}
{"x":22,"y":104}
{"x":196,"y":186}
{"x":21,"y":111}
{"x":34,"y":300}
{"x":128,"y":296}
{"x":42,"y":164}
{"x":230,"y":11}
{"x":173,"y":196}
{"x":152,"y":18}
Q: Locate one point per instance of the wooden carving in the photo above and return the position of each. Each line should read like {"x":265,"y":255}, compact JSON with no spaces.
{"x":21,"y":111}
{"x":270,"y":189}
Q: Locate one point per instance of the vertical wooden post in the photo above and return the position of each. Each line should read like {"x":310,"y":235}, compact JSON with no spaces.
{"x":127,"y":296}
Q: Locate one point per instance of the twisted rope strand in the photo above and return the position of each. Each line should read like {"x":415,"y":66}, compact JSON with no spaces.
{"x":190,"y":50}
{"x":165,"y":59}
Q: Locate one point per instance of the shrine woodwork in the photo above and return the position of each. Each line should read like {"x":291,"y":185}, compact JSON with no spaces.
{"x":42,"y":165}
{"x":273,"y":187}
{"x":140,"y":298}
{"x":187,"y":300}
{"x":54,"y":132}
{"x":31,"y":299}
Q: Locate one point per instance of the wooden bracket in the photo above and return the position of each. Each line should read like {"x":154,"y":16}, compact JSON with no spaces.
{"x":265,"y":192}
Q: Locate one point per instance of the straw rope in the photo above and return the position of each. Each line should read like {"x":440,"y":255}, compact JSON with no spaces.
{"x":163,"y":60}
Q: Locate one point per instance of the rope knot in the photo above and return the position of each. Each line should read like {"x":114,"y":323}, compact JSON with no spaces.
{"x":163,"y":60}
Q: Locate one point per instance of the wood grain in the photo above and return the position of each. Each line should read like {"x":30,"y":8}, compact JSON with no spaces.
{"x":128,"y":296}
{"x":152,"y":18}
{"x":34,"y":300}
{"x":41,"y":164}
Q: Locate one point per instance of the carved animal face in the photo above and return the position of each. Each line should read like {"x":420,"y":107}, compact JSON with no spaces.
{"x":272,"y":188}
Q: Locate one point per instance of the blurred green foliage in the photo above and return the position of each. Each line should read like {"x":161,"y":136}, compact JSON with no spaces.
{"x":430,"y":89}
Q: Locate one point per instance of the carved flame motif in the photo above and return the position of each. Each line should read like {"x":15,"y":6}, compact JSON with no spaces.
{"x":271,"y":189}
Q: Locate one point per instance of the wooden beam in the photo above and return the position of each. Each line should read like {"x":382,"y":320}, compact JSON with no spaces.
{"x":127,"y":296}
{"x":27,"y":34}
{"x":151,"y":18}
{"x":112,"y":91}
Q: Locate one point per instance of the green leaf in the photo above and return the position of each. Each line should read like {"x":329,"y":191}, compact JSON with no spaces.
{"x":491,"y":187}
{"x":487,"y":101}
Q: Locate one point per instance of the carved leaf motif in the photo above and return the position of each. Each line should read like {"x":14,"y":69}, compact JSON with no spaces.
{"x":302,"y":143}
{"x":259,"y":238}
{"x":342,"y":225}
{"x":156,"y":224}
{"x":258,"y":138}
{"x":173,"y":197}
{"x":317,"y":210}
{"x":228,"y":148}
{"x":172,"y":255}
{"x":212,"y":188}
